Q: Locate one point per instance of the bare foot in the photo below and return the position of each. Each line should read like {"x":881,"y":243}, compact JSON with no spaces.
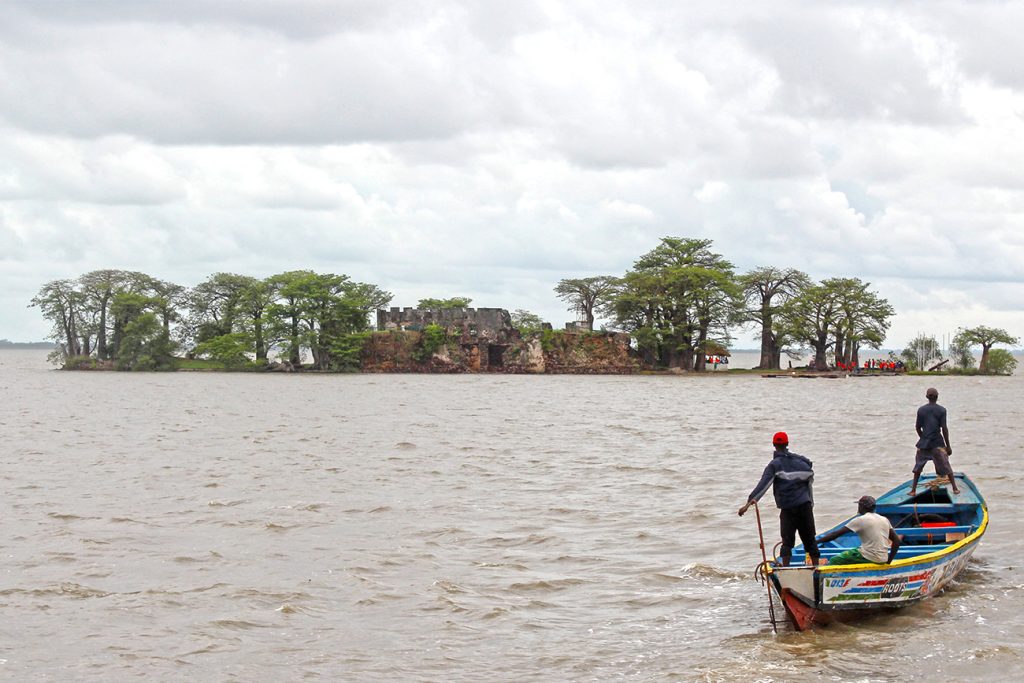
{"x":913,"y":492}
{"x":956,"y":492}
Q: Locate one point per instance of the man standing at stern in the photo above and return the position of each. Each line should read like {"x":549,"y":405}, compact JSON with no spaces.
{"x":791,"y":477}
{"x":933,"y":440}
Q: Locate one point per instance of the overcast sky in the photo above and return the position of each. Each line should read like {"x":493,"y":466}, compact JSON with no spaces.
{"x":489,"y":149}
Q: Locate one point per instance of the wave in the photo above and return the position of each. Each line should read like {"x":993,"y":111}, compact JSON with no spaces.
{"x":696,"y":570}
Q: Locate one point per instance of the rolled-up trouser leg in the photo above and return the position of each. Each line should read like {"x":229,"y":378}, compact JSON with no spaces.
{"x":942,"y":466}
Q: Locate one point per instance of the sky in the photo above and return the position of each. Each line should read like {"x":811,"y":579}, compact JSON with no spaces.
{"x":490,"y":149}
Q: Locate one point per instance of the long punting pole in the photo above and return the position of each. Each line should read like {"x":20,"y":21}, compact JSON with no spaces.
{"x":764,"y":558}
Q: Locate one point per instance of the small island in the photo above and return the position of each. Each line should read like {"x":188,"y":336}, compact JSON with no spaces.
{"x":675,"y":311}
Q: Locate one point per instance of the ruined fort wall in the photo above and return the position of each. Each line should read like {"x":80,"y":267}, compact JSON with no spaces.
{"x":491,"y":322}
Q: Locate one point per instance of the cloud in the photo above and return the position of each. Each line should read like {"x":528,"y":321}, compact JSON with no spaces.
{"x":467,"y":148}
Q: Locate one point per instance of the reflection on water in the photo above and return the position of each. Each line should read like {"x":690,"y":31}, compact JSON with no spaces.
{"x":256,"y":527}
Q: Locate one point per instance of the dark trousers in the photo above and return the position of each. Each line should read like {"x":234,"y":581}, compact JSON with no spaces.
{"x":792,"y":520}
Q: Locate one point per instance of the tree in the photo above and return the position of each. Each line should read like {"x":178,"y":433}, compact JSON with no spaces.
{"x":678,"y":297}
{"x":168,"y":298}
{"x":254,"y":299}
{"x":99,"y":288}
{"x":586,"y":294}
{"x":811,"y":318}
{"x":231,"y":350}
{"x":960,"y":352}
{"x":526,"y":322}
{"x":285,"y":313}
{"x":140,"y":338}
{"x":920,"y":351}
{"x":217,"y":305}
{"x":317,"y":311}
{"x":1001,"y":362}
{"x":765,"y":291}
{"x":985,"y":337}
{"x":444,"y":304}
{"x":863,"y":319}
{"x":839,"y":314}
{"x":61,"y":303}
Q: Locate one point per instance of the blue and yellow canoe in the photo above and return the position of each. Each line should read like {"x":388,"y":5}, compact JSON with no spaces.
{"x":940,"y":531}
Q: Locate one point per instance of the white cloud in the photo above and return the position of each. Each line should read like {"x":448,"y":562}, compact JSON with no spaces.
{"x":488,"y":151}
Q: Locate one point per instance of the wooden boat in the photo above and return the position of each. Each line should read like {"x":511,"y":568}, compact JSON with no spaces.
{"x":940,"y":532}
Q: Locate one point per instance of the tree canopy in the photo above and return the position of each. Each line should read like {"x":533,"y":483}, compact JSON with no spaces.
{"x":138,"y":322}
{"x":444,"y":304}
{"x":584,"y":295}
{"x":986,"y":338}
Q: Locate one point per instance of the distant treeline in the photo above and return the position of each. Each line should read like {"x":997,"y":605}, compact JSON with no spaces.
{"x":679,"y":302}
{"x":8,"y":344}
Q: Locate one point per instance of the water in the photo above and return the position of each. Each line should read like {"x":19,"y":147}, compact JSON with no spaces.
{"x":221,"y":527}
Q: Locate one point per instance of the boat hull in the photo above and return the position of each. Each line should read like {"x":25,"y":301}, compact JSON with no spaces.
{"x":820,"y":595}
{"x":838,"y":594}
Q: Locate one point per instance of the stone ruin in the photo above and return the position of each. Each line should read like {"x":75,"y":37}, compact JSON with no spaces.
{"x":492,"y":323}
{"x":488,"y":342}
{"x":490,"y":330}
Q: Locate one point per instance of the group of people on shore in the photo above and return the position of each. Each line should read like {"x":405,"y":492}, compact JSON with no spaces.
{"x":791,"y":476}
{"x":872,"y":364}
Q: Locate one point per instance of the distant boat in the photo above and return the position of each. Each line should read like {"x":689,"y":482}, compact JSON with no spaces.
{"x":940,"y":532}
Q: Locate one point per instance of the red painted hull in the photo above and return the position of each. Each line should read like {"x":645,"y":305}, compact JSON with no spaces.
{"x":804,"y":617}
{"x":801,"y":615}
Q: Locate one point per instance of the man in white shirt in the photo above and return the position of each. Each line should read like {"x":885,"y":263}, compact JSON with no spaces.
{"x":879,"y":542}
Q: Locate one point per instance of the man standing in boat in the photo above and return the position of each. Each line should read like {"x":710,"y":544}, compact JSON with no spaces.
{"x":791,"y":477}
{"x":879,"y":542}
{"x":933,"y":440}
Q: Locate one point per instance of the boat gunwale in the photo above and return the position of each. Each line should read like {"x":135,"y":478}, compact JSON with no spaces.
{"x":865,"y":567}
{"x":911,"y":561}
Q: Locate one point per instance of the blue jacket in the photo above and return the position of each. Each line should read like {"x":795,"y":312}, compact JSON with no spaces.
{"x":792,"y":477}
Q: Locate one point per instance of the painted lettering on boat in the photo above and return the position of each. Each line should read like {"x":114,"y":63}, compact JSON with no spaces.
{"x":893,"y":588}
{"x":907,"y":586}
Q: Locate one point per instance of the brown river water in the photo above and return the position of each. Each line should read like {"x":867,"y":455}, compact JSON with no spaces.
{"x":249,"y":527}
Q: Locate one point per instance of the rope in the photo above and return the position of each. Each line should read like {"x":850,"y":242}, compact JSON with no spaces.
{"x":932,"y":485}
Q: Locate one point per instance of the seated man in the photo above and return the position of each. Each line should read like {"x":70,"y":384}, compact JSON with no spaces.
{"x":878,"y":540}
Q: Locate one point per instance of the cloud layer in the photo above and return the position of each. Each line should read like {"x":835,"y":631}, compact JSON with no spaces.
{"x":471,"y":149}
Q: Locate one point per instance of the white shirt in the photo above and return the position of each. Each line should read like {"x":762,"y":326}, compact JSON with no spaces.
{"x":873,"y":531}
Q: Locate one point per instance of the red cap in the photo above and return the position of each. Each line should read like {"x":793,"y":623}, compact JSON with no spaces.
{"x":780,"y":439}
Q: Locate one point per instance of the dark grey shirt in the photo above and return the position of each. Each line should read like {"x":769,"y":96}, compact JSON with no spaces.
{"x":931,"y":418}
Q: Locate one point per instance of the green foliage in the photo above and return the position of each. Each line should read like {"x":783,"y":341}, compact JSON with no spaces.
{"x":920,"y":352}
{"x":678,"y":297}
{"x":432,"y":339}
{"x":960,"y":352}
{"x":526,"y":322}
{"x":1000,"y":362}
{"x":346,"y":351}
{"x":230,"y":350}
{"x":985,"y":337}
{"x":84,"y":363}
{"x":765,"y":291}
{"x":144,"y":345}
{"x":587,"y":294}
{"x":549,"y":339}
{"x":841,"y":314}
{"x":316,"y":311}
{"x":444,"y":304}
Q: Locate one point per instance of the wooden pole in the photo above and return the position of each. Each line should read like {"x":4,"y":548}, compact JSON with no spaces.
{"x":764,"y":558}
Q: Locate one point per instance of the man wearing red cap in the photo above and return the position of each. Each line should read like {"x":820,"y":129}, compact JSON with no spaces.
{"x":790,"y":475}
